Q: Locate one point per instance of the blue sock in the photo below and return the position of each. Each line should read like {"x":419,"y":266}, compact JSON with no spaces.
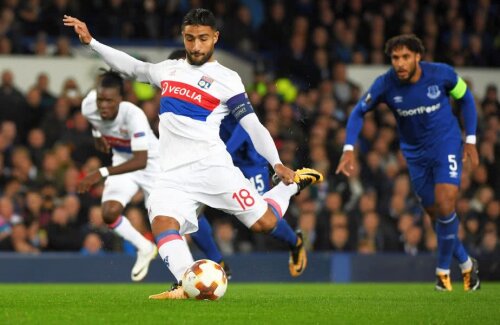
{"x":283,"y":231}
{"x":204,"y":240}
{"x":447,"y":236}
{"x":459,"y":252}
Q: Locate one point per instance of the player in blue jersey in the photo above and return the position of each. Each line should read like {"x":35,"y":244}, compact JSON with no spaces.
{"x":253,"y":166}
{"x":245,"y":156}
{"x":431,"y":140}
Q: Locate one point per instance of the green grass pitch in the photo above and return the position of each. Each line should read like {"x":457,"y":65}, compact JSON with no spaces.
{"x":255,"y":303}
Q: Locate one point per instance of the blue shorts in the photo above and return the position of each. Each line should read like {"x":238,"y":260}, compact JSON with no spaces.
{"x":441,"y":164}
{"x":258,"y":176}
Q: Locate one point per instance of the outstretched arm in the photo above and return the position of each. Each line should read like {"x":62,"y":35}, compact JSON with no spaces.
{"x":354,"y":125}
{"x":264,"y":144}
{"x":117,"y":60}
{"x":138,"y":161}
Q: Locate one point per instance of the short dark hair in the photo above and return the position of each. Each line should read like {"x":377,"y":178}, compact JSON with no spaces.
{"x":410,"y":41}
{"x":199,"y":16}
{"x":111,"y":79}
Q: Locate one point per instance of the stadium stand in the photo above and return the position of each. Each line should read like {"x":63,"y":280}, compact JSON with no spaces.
{"x":302,"y":94}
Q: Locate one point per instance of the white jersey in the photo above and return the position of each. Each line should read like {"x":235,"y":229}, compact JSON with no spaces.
{"x":194,"y":101}
{"x":129,"y":131}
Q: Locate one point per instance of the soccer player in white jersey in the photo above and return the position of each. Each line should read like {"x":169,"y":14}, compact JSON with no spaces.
{"x":122,"y":127}
{"x":197,"y":93}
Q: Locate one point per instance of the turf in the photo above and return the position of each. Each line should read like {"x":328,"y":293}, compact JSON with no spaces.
{"x":250,"y":304}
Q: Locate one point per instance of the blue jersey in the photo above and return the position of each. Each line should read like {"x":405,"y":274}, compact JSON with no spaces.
{"x":239,"y":144}
{"x":422,"y":109}
{"x":245,"y":157}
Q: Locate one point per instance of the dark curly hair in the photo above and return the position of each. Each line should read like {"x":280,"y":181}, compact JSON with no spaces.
{"x":410,"y":41}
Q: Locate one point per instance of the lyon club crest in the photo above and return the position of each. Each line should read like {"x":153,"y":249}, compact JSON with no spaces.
{"x":433,"y":92}
{"x":205,"y":82}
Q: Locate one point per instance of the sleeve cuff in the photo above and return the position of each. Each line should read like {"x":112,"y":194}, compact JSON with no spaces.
{"x":276,"y":163}
{"x":93,"y":43}
{"x":348,"y":147}
{"x":471,"y":139}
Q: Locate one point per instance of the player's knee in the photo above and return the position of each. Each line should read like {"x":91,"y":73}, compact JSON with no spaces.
{"x":265,"y":224}
{"x":433,"y":212}
{"x":164,"y":223}
{"x":111,"y":211}
{"x":445,"y":203}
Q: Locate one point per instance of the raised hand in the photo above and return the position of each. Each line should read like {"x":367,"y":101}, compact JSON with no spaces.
{"x":346,"y":164}
{"x":102,"y":145}
{"x":284,"y":173}
{"x":88,"y":181}
{"x":80,"y":28}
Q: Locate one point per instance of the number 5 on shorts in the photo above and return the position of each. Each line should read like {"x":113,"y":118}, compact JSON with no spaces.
{"x":453,"y":163}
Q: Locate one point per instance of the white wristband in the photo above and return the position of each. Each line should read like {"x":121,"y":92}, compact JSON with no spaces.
{"x":470,"y":139}
{"x":96,"y":133}
{"x":348,"y":147}
{"x":104,"y":172}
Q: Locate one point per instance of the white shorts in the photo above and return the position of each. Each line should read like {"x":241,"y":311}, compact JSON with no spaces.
{"x":123,"y":187}
{"x":213,"y":181}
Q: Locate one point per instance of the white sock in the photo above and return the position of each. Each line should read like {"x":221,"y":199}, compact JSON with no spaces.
{"x":467,"y":265}
{"x":281,"y":194}
{"x":124,"y":228}
{"x":442,"y":271}
{"x":177,"y":256}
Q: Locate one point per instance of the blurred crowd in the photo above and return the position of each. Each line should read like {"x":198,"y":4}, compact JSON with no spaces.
{"x":302,"y":95}
{"x":290,"y":36}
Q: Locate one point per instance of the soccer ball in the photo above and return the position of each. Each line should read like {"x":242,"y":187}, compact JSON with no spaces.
{"x":205,"y":280}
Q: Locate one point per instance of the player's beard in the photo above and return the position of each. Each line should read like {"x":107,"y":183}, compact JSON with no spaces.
{"x":411,"y":72}
{"x":200,"y":60}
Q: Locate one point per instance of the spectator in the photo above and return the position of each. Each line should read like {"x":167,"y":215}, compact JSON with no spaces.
{"x":149,"y":21}
{"x":62,"y":235}
{"x":110,"y":241}
{"x":342,"y":86}
{"x":13,"y":233}
{"x":340,"y":239}
{"x":92,"y":245}
{"x":413,"y":241}
{"x":275,"y":30}
{"x":48,"y":99}
{"x":472,"y":233}
{"x":224,"y":236}
{"x":238,"y":32}
{"x":63,"y":47}
{"x":30,"y":14}
{"x":307,"y":223}
{"x":54,"y":123}
{"x":36,"y":146}
{"x":78,"y":135}
{"x":5,"y":46}
{"x":23,"y":168}
{"x":12,"y":103}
